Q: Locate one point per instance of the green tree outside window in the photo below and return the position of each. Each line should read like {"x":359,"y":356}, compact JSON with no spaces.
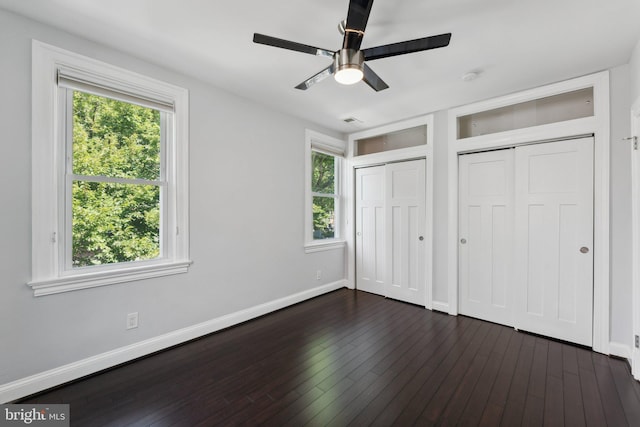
{"x":118,"y":221}
{"x":323,"y":187}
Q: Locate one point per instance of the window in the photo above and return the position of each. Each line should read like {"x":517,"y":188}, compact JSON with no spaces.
{"x":394,"y":140}
{"x":112,"y":181}
{"x":555,"y":108}
{"x":325,"y":196}
{"x":324,"y":205}
{"x":109,"y":174}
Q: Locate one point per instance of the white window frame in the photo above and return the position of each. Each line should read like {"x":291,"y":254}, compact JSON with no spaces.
{"x":315,"y":141}
{"x":50,"y":272}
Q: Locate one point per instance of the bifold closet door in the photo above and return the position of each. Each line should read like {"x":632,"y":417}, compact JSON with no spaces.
{"x":485,"y":229}
{"x":554,"y":239}
{"x":390,"y":230}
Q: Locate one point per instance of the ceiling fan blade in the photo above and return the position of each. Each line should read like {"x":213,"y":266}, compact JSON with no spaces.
{"x":373,"y":80}
{"x":316,"y":78}
{"x":286,"y":44}
{"x":408,"y":46}
{"x":357,"y":18}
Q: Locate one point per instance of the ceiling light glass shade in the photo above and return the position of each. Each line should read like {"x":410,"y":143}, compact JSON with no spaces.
{"x":349,"y":76}
{"x":348,"y":65}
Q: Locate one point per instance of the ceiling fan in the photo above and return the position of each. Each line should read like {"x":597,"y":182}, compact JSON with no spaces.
{"x":348,"y":66}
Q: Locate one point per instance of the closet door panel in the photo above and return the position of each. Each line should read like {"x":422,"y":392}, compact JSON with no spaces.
{"x":405,"y":208}
{"x":554,"y":239}
{"x":485,"y":235}
{"x":370,"y":230}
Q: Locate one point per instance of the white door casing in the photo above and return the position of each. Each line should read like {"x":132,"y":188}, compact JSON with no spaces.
{"x":485,"y":227}
{"x":554,"y":239}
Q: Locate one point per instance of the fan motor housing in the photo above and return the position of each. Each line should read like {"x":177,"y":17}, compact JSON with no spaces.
{"x":348,"y":58}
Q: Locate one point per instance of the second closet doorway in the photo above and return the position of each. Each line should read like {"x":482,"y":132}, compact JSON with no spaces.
{"x":390,"y":230}
{"x":526,"y":238}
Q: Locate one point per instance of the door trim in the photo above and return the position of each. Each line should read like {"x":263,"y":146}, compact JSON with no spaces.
{"x":599,"y":126}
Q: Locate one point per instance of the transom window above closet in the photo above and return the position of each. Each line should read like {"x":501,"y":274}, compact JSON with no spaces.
{"x":404,"y":138}
{"x":571,"y":105}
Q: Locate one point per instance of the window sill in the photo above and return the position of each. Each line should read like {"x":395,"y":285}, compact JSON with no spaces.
{"x":92,"y":280}
{"x":324,"y":246}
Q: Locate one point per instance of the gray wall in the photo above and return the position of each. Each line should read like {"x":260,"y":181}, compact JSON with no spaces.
{"x":440,"y":207}
{"x":634,"y":64}
{"x":247,"y":204}
{"x":620,"y":197}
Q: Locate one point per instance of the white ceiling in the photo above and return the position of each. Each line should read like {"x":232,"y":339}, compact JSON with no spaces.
{"x":513,"y":44}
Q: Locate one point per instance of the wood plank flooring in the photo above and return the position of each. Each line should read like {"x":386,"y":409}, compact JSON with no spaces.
{"x":352,"y":358}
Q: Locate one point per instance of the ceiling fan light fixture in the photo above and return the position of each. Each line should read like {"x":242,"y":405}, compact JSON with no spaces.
{"x":348,"y":66}
{"x":349,"y":76}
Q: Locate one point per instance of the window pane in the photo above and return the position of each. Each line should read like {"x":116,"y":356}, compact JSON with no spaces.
{"x":552,"y":109}
{"x":397,"y":140}
{"x":323,"y":217}
{"x":323,"y":173}
{"x":114,"y":138}
{"x":114,"y":223}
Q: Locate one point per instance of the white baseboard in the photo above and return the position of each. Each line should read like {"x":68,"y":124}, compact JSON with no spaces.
{"x":57,"y":376}
{"x":620,"y":350}
{"x":440,"y":306}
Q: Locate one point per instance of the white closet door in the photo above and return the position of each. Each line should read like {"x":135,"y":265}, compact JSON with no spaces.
{"x":370,"y":229}
{"x":554,"y":239}
{"x":485,"y":235}
{"x":405,"y":231}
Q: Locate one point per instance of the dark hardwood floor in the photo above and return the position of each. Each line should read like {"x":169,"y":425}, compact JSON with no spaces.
{"x":352,"y":358}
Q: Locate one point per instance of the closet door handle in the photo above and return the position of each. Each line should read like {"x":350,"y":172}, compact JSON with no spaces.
{"x":463,"y":241}
{"x":421,"y":238}
{"x":584,"y":250}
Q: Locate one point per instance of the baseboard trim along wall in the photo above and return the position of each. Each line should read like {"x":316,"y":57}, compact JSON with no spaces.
{"x":63,"y":374}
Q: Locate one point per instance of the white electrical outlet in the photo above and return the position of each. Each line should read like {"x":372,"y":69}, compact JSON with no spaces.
{"x":132,"y":320}
{"x":318,"y":274}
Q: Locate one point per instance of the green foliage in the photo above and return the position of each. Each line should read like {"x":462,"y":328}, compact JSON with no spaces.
{"x":323,"y":217}
{"x":323,"y":182}
{"x":114,"y":222}
{"x":323,"y":179}
{"x":114,"y":138}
